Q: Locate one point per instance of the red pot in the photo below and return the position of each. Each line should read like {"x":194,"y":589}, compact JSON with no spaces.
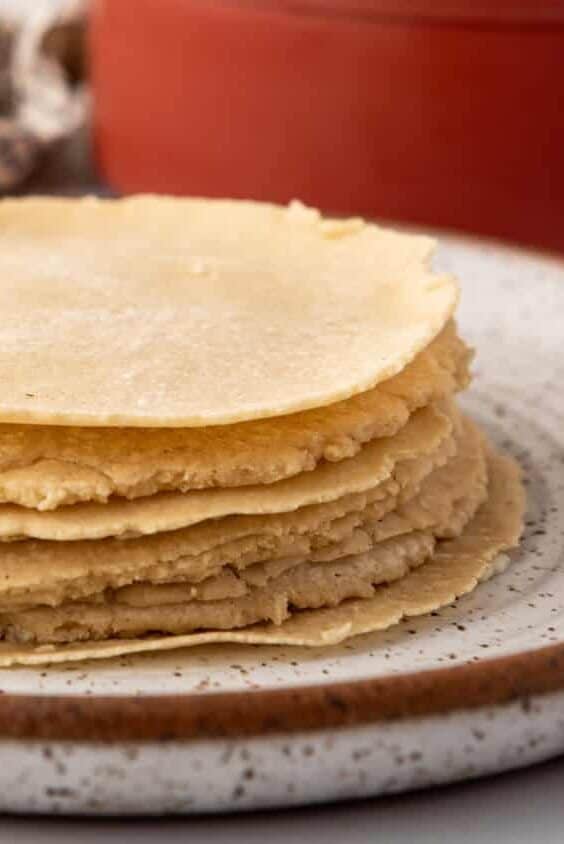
{"x":448,"y":113}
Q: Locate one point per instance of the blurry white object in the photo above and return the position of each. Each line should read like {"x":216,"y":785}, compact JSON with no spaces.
{"x":49,"y":107}
{"x":18,"y":10}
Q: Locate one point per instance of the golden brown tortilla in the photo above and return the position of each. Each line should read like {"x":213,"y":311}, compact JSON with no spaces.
{"x":202,"y":312}
{"x":440,"y":501}
{"x":456,"y":569}
{"x":426,"y":430}
{"x":45,"y":467}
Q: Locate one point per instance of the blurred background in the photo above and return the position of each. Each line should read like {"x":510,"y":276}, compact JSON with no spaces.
{"x":446,"y":113}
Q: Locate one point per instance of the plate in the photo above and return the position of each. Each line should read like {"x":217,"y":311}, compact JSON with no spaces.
{"x":473,"y":689}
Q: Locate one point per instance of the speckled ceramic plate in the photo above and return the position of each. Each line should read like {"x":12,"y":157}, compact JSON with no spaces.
{"x":476,"y":688}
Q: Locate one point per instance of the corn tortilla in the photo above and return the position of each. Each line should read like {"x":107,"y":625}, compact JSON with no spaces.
{"x":456,"y":569}
{"x":202,"y":312}
{"x":45,"y":467}
{"x":424,"y":432}
{"x":441,"y":501}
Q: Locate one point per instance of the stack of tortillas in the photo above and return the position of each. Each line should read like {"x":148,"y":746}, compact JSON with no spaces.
{"x":229,"y":421}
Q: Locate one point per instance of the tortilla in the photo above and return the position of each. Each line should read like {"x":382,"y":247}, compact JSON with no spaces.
{"x":381,"y":552}
{"x":425,"y":431}
{"x":202,"y":312}
{"x":308,"y":585}
{"x":45,"y":467}
{"x":221,"y":552}
{"x":456,"y":569}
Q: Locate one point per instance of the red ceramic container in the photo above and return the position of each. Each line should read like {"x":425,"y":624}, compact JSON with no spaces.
{"x":448,"y":113}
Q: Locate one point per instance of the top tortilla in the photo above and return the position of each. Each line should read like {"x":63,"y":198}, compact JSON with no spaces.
{"x":160,"y":312}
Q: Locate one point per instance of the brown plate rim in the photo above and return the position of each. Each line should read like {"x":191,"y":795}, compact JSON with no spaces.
{"x":185,"y":717}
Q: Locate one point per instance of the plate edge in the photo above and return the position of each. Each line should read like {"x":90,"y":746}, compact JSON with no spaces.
{"x":184,"y":717}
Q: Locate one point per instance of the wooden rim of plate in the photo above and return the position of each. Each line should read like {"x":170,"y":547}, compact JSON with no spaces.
{"x":178,"y":717}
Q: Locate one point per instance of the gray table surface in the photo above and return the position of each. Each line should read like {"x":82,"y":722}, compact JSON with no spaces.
{"x":520,"y":807}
